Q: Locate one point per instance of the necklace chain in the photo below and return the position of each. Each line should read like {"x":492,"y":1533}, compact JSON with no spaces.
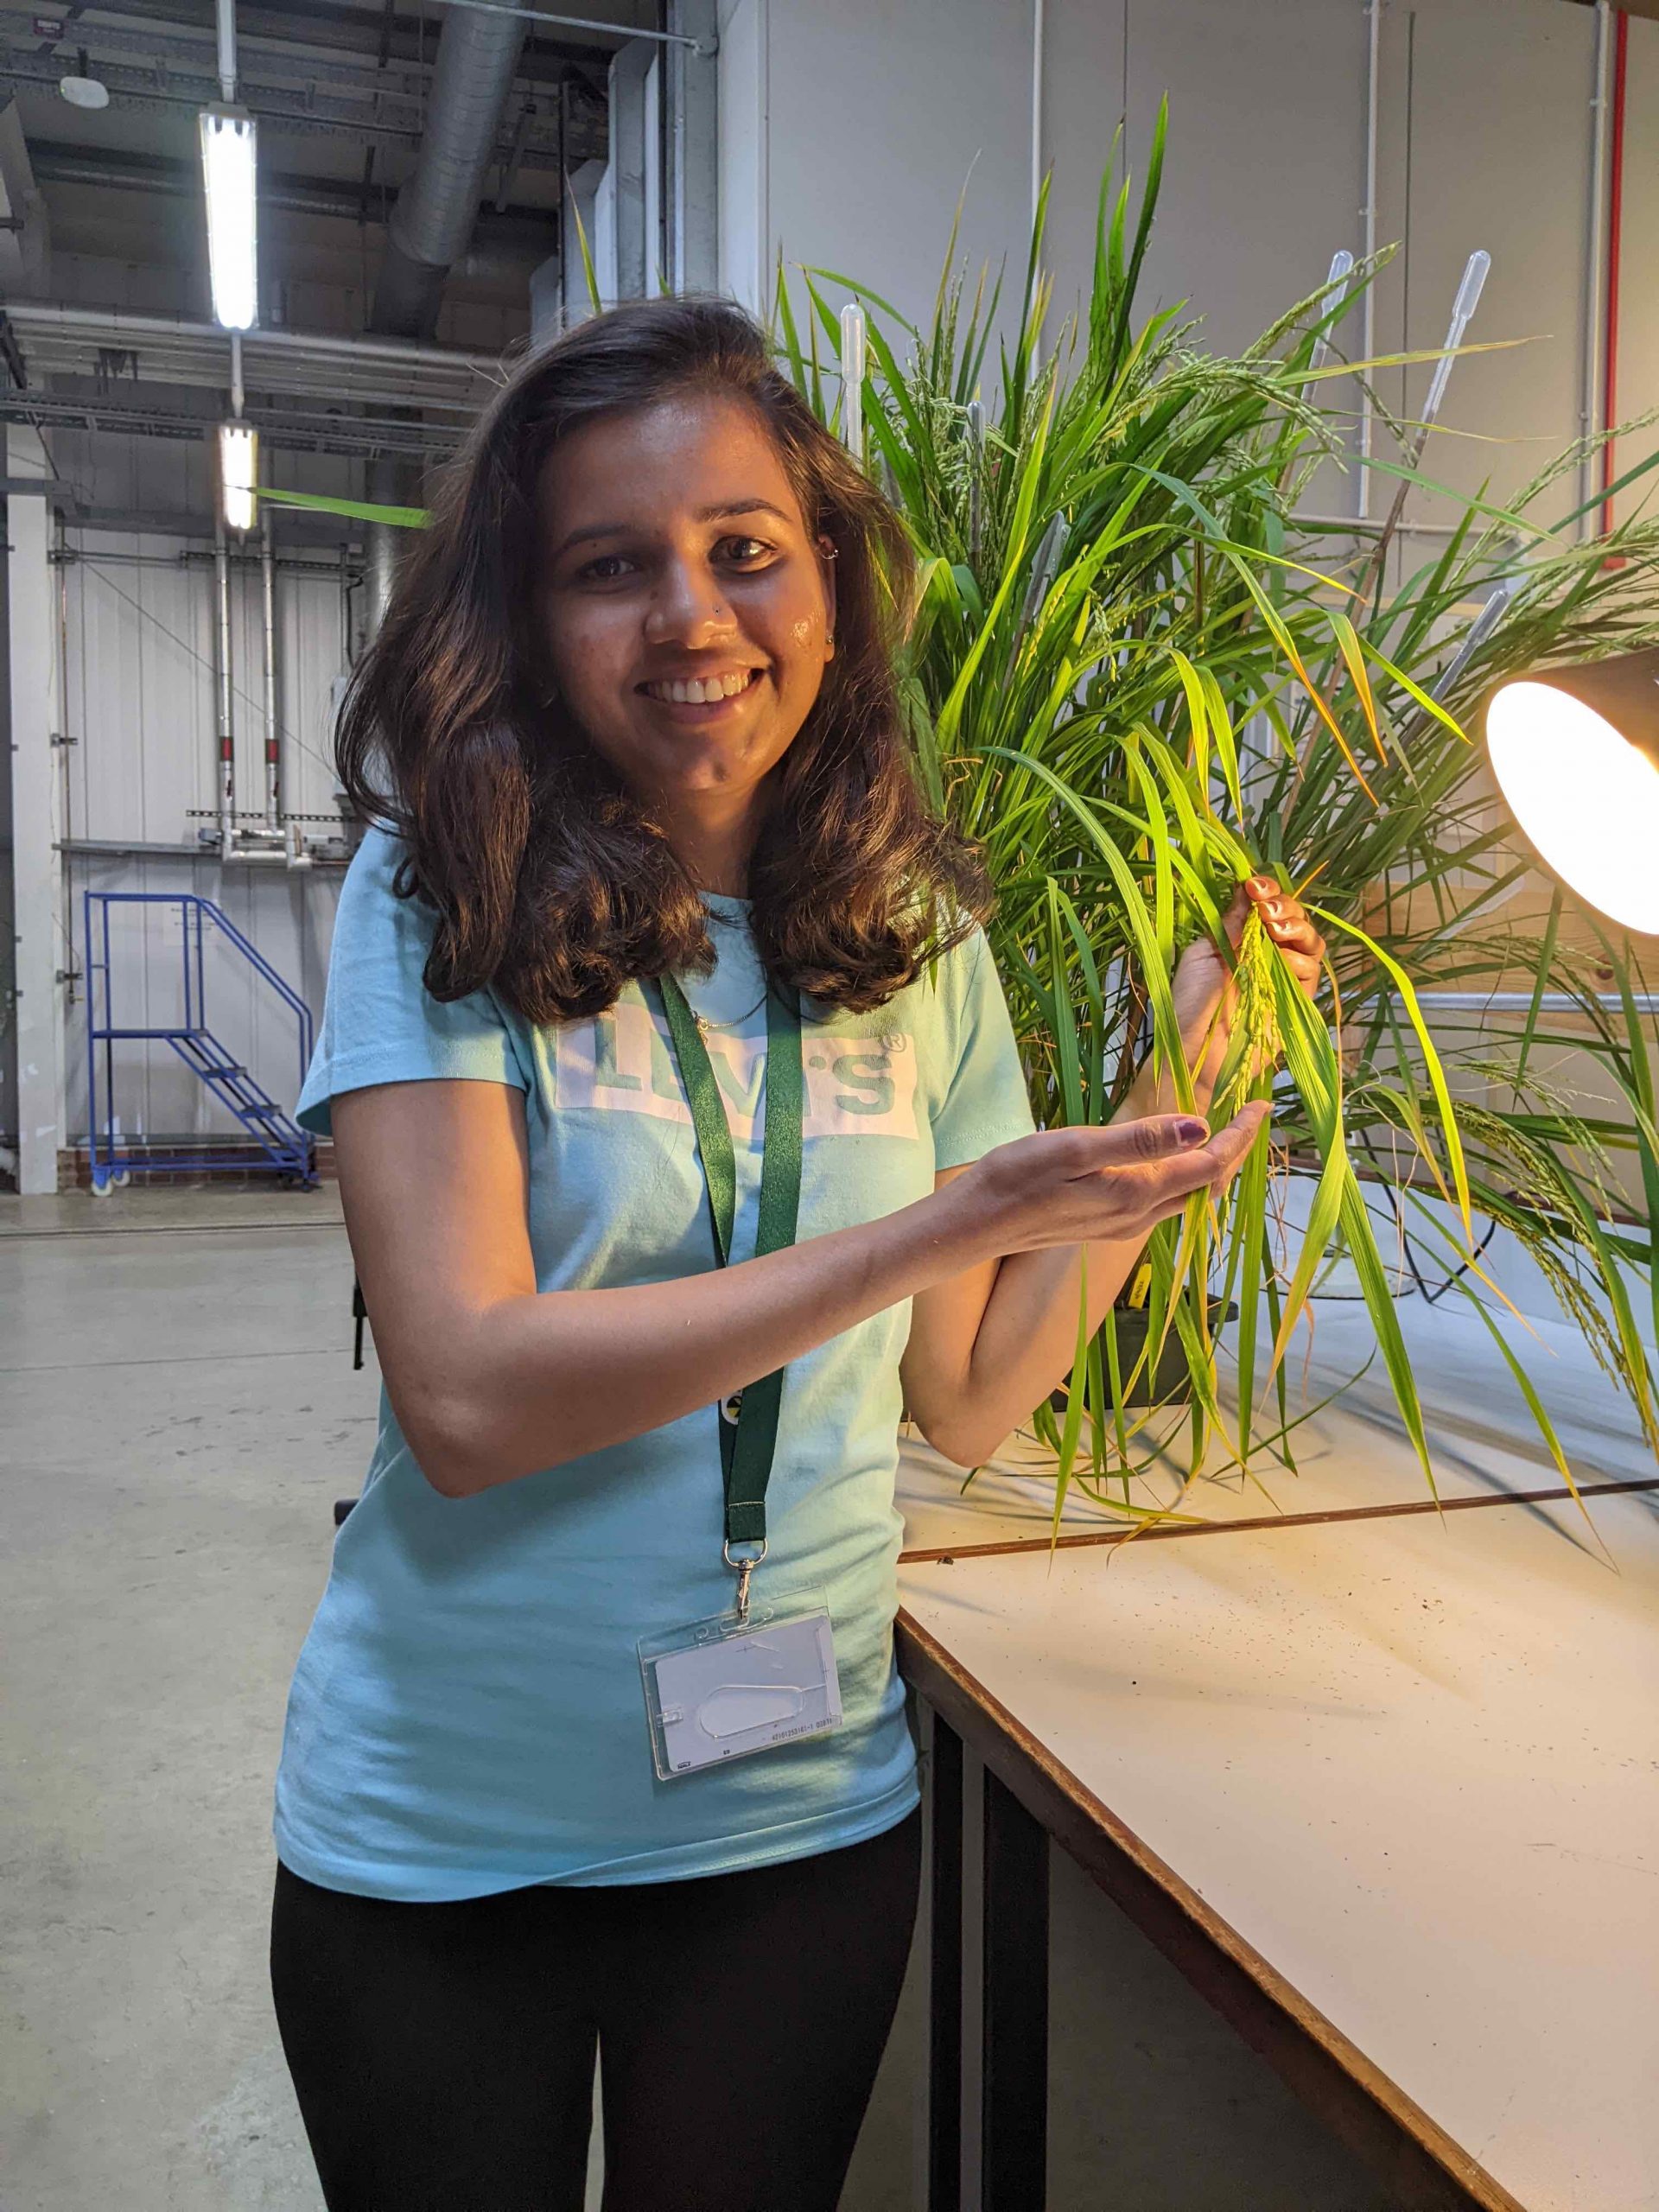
{"x":704,"y":1023}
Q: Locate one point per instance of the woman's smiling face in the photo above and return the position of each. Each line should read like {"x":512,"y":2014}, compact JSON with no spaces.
{"x":674,"y":549}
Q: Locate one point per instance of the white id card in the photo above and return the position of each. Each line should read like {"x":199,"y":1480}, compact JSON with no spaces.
{"x":722,"y":1689}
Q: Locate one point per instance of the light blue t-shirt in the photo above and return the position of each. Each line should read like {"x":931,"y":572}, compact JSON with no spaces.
{"x":467,"y":1713}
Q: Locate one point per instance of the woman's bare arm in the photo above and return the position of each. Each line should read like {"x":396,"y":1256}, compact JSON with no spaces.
{"x":491,"y":1380}
{"x":991,"y":1343}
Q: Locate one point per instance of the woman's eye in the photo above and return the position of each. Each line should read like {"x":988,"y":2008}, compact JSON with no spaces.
{"x":758,"y":548}
{"x":610,"y":568}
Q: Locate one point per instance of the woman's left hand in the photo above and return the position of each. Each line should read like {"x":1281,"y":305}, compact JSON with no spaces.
{"x":1203,"y":984}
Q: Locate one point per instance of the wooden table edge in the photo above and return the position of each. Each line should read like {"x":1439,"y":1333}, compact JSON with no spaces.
{"x":1173,"y":1531}
{"x":1421,"y":2164}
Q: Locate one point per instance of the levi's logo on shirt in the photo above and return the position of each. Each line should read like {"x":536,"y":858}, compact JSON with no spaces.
{"x":855,"y":1086}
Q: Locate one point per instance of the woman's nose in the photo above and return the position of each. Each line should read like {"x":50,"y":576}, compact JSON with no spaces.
{"x":688,"y":604}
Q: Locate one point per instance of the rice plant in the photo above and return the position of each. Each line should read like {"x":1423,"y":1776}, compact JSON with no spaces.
{"x":1135,"y":677}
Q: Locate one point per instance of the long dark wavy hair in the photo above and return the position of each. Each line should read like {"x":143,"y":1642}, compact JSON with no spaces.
{"x":552,"y":883}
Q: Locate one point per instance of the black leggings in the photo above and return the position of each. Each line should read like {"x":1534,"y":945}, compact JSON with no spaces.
{"x":443,"y":2053}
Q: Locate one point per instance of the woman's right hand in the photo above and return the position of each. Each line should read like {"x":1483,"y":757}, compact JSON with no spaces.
{"x":1112,"y":1185}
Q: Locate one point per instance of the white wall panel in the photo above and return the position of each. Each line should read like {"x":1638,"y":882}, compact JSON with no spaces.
{"x":1638,"y":347}
{"x":877,"y":111}
{"x":849,"y":132}
{"x":1084,"y":54}
{"x":741,"y":215}
{"x":1486,"y":143}
{"x":1265,"y":166}
{"x":138,"y":651}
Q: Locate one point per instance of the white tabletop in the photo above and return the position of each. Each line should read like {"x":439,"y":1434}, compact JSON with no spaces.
{"x":1351,"y":1453}
{"x":1415,"y":1762}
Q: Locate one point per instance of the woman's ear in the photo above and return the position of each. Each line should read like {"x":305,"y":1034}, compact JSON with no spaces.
{"x":827,"y":552}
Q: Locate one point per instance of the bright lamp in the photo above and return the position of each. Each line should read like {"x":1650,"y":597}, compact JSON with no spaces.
{"x":227,"y":168}
{"x":238,"y":461}
{"x":1576,"y":754}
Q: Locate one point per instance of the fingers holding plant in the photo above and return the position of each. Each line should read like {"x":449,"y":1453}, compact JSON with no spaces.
{"x":1261,"y":923}
{"x":1080,"y":1185}
{"x":1284,"y":921}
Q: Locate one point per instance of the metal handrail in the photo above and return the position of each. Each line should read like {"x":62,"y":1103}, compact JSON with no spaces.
{"x":195,"y":912}
{"x":223,"y":921}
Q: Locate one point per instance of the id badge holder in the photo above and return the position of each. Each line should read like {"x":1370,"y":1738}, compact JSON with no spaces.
{"x":725,"y":1688}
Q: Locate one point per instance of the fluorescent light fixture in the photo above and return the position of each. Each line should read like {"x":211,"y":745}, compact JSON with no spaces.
{"x":1576,"y":754}
{"x":238,"y":472}
{"x":227,"y":168}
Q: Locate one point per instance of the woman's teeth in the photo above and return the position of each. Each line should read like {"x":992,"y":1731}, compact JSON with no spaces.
{"x":696,"y":693}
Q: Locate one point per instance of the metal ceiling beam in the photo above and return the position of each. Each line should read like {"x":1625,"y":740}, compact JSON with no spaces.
{"x":284,"y":112}
{"x":294,"y":430}
{"x":521,"y":225}
{"x":310,"y":24}
{"x":257,"y":58}
{"x":119,"y":326}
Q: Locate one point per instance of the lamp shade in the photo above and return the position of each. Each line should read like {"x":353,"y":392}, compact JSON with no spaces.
{"x":1576,"y":754}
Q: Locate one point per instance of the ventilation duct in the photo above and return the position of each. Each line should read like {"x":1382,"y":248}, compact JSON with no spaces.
{"x":432,"y":222}
{"x":432,"y":225}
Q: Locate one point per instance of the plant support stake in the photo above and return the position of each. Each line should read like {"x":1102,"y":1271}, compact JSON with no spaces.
{"x":1367,"y":218}
{"x":1463,"y":308}
{"x":976,"y":473}
{"x":852,"y":380}
{"x":1336,"y":283}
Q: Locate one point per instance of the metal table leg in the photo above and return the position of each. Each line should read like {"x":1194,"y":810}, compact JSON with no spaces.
{"x":1014,"y":2124}
{"x":945,"y":2037}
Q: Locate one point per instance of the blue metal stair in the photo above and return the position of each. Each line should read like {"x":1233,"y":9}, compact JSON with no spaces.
{"x":289,"y":1151}
{"x":288,"y":1146}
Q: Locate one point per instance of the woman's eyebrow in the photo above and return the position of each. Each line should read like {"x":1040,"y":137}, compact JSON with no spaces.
{"x":721,"y":512}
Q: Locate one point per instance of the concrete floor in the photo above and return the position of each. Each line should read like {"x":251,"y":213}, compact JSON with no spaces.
{"x":177,"y":1411}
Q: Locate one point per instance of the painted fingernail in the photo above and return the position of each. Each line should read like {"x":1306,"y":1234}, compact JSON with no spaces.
{"x":1190,"y":1130}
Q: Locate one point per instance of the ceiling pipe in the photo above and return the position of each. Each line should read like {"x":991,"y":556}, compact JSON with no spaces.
{"x":224,"y":719}
{"x":438,"y":207}
{"x":707,"y":47}
{"x":226,"y":24}
{"x":385,"y":486}
{"x":273,"y":737}
{"x":432,"y":225}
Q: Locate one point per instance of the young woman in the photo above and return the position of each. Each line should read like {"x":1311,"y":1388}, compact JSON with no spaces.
{"x":645,"y":832}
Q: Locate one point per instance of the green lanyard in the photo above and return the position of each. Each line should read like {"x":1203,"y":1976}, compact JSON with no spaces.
{"x":748,"y":1441}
